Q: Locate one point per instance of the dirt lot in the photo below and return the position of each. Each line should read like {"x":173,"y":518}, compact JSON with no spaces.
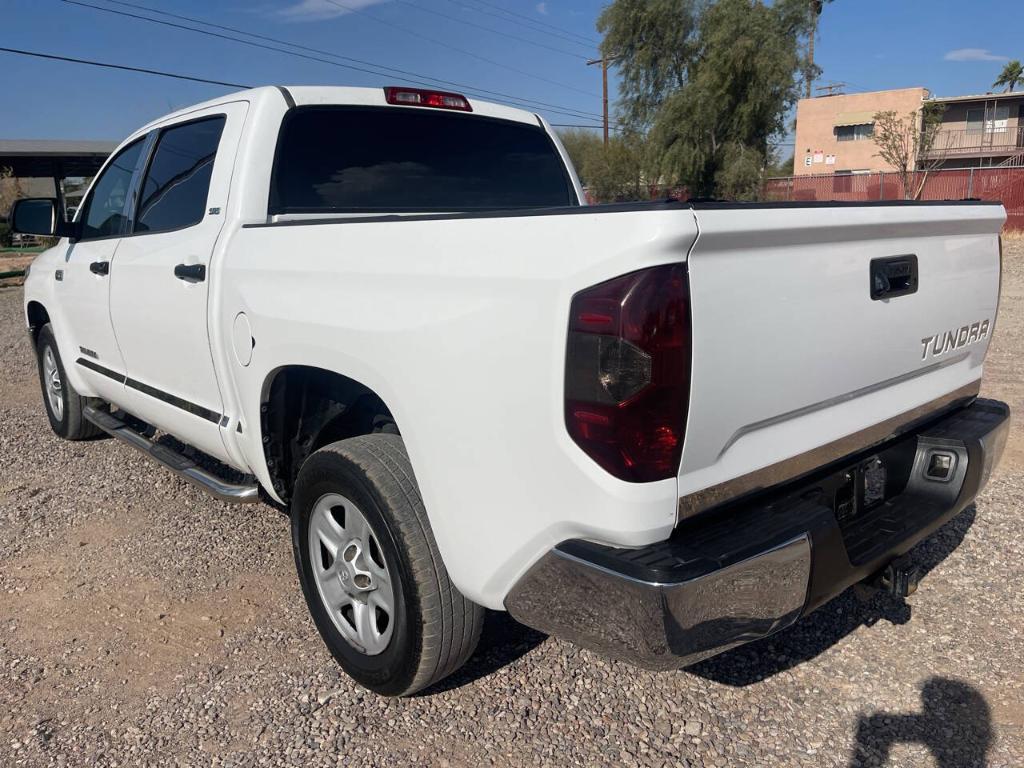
{"x":11,"y":261}
{"x":142,"y":623}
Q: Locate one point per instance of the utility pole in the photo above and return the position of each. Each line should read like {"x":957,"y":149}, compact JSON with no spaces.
{"x":816,"y":8}
{"x":603,"y":61}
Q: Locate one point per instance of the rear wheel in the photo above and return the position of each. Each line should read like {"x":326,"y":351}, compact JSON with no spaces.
{"x":371,"y":572}
{"x":64,"y":406}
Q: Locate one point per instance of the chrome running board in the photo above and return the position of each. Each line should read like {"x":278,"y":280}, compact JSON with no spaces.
{"x":181,"y":465}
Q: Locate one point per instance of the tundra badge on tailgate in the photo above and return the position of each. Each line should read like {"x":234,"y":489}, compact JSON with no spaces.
{"x":941,"y":343}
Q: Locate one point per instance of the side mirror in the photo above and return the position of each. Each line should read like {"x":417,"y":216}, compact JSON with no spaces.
{"x":34,"y":216}
{"x":38,"y":216}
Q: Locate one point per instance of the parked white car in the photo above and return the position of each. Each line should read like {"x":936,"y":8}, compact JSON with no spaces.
{"x":659,"y":429}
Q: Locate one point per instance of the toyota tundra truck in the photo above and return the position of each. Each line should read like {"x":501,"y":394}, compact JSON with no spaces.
{"x":658,"y":430}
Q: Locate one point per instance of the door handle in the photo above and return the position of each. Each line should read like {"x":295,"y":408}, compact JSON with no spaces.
{"x":100,"y":267}
{"x":195,"y":273}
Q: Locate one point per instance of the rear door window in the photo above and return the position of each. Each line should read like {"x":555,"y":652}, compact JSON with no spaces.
{"x":177,"y":182}
{"x":386,"y":159}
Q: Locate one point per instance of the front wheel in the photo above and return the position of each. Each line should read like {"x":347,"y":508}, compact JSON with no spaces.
{"x":64,"y":406}
{"x":371,"y":572}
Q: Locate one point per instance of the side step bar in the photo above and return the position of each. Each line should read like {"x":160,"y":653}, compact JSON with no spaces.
{"x":174,"y":461}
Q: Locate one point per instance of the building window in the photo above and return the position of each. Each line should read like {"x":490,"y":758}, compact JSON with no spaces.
{"x":854,"y":132}
{"x":1000,"y":121}
{"x":990,"y":121}
{"x":975,"y":120}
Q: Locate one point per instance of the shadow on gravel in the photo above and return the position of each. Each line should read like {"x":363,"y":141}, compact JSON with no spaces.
{"x":503,"y":641}
{"x":954,"y":724}
{"x":832,"y":622}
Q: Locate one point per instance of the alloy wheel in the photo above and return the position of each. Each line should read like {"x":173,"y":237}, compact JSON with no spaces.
{"x":351,"y":575}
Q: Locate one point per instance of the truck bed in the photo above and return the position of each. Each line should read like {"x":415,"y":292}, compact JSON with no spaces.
{"x":459,"y":322}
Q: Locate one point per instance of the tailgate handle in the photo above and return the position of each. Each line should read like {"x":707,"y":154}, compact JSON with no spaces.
{"x":193,"y":273}
{"x":893,"y":276}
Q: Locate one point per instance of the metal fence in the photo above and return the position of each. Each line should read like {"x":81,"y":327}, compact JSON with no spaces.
{"x":1003,"y":184}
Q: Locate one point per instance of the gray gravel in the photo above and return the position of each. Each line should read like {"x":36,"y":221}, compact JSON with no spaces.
{"x":142,"y":623}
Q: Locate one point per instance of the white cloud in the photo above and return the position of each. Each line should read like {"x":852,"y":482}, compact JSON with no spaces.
{"x":542,"y":9}
{"x":973,"y":54}
{"x":317,"y":10}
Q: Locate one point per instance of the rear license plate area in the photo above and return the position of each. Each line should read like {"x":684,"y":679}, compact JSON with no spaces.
{"x":862,"y":488}
{"x":872,"y":481}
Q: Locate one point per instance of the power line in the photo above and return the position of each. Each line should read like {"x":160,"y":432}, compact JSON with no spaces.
{"x":419,"y":77}
{"x":214,"y":34}
{"x":536,"y":21}
{"x":443,"y":44}
{"x":173,"y":75}
{"x":507,"y":20}
{"x":457,"y":20}
{"x":107,"y":65}
{"x":583,"y":125}
{"x":402,"y":75}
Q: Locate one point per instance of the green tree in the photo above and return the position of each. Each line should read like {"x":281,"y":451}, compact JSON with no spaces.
{"x":652,"y":44}
{"x":1012,"y":74}
{"x":579,"y":143}
{"x":781,"y":167}
{"x":610,"y":174}
{"x":711,"y":83}
{"x":910,"y":144}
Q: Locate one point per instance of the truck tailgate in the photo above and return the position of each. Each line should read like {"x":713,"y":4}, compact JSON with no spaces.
{"x":792,"y":352}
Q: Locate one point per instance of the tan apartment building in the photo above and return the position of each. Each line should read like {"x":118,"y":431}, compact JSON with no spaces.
{"x":980,"y":131}
{"x":833,"y":133}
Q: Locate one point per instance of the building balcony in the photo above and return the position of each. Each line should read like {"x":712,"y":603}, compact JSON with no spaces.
{"x":973,"y":143}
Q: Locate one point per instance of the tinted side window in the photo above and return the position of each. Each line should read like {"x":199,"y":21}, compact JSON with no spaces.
{"x":333,"y":159}
{"x":104,"y":213}
{"x":177,"y":181}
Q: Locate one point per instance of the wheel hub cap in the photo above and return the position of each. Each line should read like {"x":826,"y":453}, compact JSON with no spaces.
{"x":351,"y":576}
{"x":52,"y":383}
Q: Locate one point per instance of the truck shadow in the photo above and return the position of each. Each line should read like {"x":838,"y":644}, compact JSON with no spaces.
{"x":832,"y":622}
{"x":954,"y":724}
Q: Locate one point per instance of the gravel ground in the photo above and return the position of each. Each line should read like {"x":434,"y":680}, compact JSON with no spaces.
{"x":142,"y":623}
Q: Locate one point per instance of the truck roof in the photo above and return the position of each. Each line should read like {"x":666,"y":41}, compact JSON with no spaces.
{"x":308,"y":95}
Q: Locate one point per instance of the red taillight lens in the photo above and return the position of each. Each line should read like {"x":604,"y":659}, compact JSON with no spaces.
{"x":417,"y":97}
{"x":627,"y":372}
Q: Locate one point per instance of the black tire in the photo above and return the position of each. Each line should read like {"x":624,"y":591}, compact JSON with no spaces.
{"x":70,"y":423}
{"x":436,"y":628}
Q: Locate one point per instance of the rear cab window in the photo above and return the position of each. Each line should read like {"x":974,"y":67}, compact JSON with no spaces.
{"x":393,"y":160}
{"x":177,"y":181}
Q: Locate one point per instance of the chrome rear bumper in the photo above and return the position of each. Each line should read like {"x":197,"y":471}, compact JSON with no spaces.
{"x":755,"y":567}
{"x":663,"y":626}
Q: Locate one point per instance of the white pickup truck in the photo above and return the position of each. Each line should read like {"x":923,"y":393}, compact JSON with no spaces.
{"x":658,"y":430}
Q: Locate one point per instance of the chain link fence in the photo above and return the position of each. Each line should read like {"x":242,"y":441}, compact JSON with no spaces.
{"x":1003,"y":184}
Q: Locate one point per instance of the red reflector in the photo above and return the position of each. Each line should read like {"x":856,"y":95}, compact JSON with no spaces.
{"x":588,"y":417}
{"x":417,"y":97}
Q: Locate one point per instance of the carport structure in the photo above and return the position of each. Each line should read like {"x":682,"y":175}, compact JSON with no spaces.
{"x":53,"y":159}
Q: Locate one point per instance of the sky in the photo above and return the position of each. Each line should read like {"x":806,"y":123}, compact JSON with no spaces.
{"x":530,"y":52}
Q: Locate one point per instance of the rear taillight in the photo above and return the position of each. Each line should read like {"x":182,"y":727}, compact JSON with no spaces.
{"x":417,"y":97}
{"x":627,"y":372}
